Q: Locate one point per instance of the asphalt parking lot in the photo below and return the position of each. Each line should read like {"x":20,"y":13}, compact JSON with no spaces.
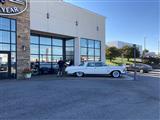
{"x":85,"y":99}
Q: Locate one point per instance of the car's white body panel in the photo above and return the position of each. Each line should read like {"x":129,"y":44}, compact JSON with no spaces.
{"x":95,"y":70}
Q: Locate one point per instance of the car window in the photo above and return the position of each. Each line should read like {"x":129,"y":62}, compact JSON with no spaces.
{"x":82,"y":64}
{"x":91,"y":65}
{"x":99,"y":64}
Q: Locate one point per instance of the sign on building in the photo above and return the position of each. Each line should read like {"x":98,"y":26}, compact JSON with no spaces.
{"x":12,"y":7}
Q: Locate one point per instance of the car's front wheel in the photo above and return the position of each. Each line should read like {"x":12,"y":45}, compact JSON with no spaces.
{"x":79,"y":74}
{"x":116,"y":74}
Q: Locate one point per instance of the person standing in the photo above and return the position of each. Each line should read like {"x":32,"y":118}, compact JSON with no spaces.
{"x":61,"y":65}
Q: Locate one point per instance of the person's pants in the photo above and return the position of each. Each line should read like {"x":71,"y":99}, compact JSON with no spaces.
{"x":60,"y":72}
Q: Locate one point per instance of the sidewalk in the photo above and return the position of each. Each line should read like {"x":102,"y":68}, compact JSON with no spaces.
{"x":89,"y":77}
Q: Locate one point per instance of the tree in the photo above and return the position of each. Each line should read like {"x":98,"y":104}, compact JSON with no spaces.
{"x":128,"y":52}
{"x":144,"y":52}
{"x":112,"y":52}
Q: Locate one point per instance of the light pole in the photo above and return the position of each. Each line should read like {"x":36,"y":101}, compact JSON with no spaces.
{"x":135,"y":71}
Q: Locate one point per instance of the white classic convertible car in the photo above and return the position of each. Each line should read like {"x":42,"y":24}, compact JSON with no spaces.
{"x":95,"y":68}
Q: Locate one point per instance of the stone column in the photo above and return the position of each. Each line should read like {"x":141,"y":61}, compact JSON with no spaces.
{"x":23,"y":42}
{"x":77,"y":53}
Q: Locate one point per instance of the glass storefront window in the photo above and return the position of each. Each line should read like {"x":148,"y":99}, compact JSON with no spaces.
{"x":13,"y":64}
{"x":97,"y":44}
{"x":45,"y":66}
{"x":4,"y":23}
{"x":13,"y":37}
{"x":83,"y":51}
{"x":45,"y":58}
{"x":34,"y":39}
{"x":34,"y":49}
{"x":97,"y":58}
{"x":69,"y":43}
{"x":56,"y":58}
{"x":45,"y":41}
{"x":90,"y":43}
{"x":83,"y":43}
{"x":83,"y":58}
{"x":34,"y":58}
{"x":90,"y":49}
{"x":8,"y":41}
{"x":69,"y":51}
{"x":13,"y":25}
{"x":97,"y":52}
{"x":45,"y":50}
{"x":13,"y":47}
{"x":91,"y":52}
{"x":4,"y":47}
{"x":57,"y":50}
{"x":57,"y":42}
{"x":5,"y":36}
{"x":90,"y":58}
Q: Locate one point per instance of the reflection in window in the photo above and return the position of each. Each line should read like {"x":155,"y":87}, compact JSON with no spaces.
{"x":83,"y":58}
{"x":4,"y":47}
{"x":8,"y":40}
{"x":69,"y":43}
{"x":4,"y":23}
{"x":13,"y":25}
{"x":90,"y":58}
{"x":45,"y":58}
{"x":69,"y":51}
{"x":34,"y":49}
{"x":90,"y":50}
{"x":97,"y":58}
{"x":45,"y":40}
{"x":13,"y":47}
{"x":56,"y":58}
{"x":97,"y":44}
{"x":83,"y":51}
{"x":45,"y":50}
{"x":4,"y":36}
{"x":13,"y":64}
{"x":97,"y":52}
{"x":34,"y":39}
{"x":34,"y":58}
{"x":57,"y":42}
{"x":90,"y":43}
{"x":83,"y":43}
{"x":13,"y":37}
{"x":57,"y":50}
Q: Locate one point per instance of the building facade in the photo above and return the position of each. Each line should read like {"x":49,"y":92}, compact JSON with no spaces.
{"x":38,"y":34}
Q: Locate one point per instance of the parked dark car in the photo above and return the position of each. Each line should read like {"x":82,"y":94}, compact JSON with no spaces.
{"x":143,"y":68}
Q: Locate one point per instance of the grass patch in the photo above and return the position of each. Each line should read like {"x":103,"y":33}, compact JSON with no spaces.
{"x":119,"y":61}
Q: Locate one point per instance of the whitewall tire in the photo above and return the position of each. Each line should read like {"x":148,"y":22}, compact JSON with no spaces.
{"x":79,"y":74}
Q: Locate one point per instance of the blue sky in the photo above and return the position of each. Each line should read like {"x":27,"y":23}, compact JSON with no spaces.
{"x":128,"y":20}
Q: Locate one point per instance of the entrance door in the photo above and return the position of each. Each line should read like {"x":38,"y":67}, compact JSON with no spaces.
{"x":5,"y":65}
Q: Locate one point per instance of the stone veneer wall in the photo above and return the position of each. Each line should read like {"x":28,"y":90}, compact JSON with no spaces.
{"x":23,"y":38}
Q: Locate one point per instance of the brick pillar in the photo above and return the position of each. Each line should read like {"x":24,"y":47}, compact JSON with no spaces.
{"x":23,"y":39}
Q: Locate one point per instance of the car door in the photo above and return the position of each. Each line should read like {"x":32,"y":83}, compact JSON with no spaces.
{"x":90,"y":68}
{"x":100,"y":68}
